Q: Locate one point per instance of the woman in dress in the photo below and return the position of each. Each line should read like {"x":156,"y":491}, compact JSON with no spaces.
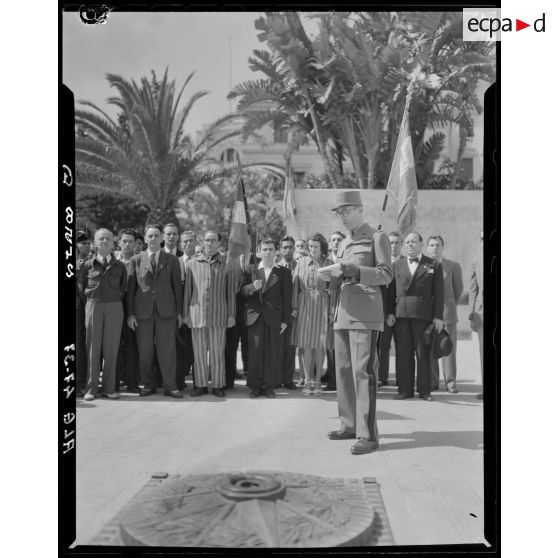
{"x":311,"y":310}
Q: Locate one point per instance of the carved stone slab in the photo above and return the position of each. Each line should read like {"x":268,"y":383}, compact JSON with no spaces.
{"x":252,"y":509}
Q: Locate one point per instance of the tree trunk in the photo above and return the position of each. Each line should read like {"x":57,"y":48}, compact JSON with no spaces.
{"x":460,"y":153}
{"x":319,"y":138}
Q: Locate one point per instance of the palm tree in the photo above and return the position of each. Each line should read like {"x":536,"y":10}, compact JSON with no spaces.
{"x":144,"y":154}
{"x":346,"y":89}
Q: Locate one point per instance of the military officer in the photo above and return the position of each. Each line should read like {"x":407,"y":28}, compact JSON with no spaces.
{"x":365,"y":265}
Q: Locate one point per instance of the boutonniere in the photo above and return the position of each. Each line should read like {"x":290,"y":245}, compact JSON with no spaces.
{"x":429,"y":268}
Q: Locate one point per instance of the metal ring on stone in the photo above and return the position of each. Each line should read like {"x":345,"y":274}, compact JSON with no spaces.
{"x":242,"y":487}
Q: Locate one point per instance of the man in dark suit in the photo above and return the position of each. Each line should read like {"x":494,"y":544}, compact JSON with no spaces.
{"x":453,"y":289}
{"x":184,"y":347}
{"x":128,"y":364}
{"x":170,"y":240}
{"x":267,"y":291}
{"x":384,"y":340}
{"x":287,"y":369}
{"x":154,"y":304}
{"x":416,"y":299}
{"x":236,"y":334}
{"x":476,"y":302}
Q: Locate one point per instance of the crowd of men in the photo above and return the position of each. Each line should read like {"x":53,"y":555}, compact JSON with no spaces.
{"x":152,"y":308}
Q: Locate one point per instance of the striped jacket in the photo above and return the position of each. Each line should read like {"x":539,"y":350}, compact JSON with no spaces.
{"x":209,"y":291}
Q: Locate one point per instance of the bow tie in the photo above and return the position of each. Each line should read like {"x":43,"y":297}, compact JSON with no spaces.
{"x":413,"y":260}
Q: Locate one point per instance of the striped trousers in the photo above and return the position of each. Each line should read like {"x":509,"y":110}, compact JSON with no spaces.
{"x":212,"y":340}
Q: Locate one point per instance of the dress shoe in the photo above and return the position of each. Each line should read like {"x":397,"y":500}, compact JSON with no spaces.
{"x":452,"y":390}
{"x":340,"y":435}
{"x":289,"y":385}
{"x":219,"y":392}
{"x":434,"y":388}
{"x":144,"y":392}
{"x":403,"y":396}
{"x":111,"y":395}
{"x":80,"y":393}
{"x":174,"y":393}
{"x":198,"y":391}
{"x":427,"y":397}
{"x":88,"y":397}
{"x":256,"y":392}
{"x":133,"y":390}
{"x":364,"y":445}
{"x":479,"y":396}
{"x":381,"y":383}
{"x":269,"y":392}
{"x":330,"y":388}
{"x":229,"y":386}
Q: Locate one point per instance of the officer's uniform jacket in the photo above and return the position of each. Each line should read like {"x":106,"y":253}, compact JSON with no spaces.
{"x":360,"y":303}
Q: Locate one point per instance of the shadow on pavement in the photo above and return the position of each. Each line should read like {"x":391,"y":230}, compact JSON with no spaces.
{"x":465,"y":439}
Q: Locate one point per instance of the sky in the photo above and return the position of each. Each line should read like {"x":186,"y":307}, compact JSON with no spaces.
{"x":132,"y":44}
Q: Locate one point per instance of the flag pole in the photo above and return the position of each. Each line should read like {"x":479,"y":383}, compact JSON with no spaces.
{"x":248,"y":224}
{"x":405,"y":115}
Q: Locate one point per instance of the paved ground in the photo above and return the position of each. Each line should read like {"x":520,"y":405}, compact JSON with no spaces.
{"x":429,"y":465}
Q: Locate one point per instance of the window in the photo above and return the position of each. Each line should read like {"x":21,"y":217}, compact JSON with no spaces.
{"x":230,"y":156}
{"x":280,"y":135}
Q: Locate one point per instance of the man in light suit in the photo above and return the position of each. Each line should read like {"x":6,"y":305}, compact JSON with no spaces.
{"x":416,"y":299}
{"x":364,"y":259}
{"x":476,"y":301}
{"x":266,"y":290}
{"x":154,"y":304}
{"x":453,"y":289}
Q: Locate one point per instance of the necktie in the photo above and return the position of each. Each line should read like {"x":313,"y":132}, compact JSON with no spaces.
{"x":103,"y":261}
{"x":153,"y":263}
{"x":413,"y":260}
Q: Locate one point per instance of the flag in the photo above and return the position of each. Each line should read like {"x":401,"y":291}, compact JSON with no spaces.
{"x":239,"y":239}
{"x":289,"y":210}
{"x":402,"y":183}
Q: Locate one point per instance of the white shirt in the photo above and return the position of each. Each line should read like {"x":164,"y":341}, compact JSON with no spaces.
{"x":267,"y":270}
{"x":100,"y":258}
{"x":413,"y":266}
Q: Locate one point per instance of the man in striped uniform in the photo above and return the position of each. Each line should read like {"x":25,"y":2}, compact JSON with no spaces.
{"x":209,"y":308}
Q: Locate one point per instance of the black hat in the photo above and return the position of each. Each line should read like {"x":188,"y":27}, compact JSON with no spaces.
{"x":82,"y":237}
{"x":442,"y":345}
